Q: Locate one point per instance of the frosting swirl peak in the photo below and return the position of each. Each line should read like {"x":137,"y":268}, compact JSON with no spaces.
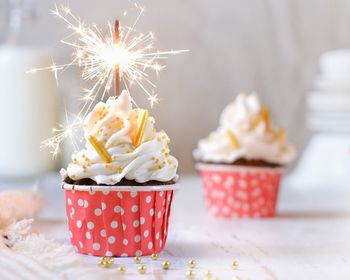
{"x":121,"y":142}
{"x":245,"y":132}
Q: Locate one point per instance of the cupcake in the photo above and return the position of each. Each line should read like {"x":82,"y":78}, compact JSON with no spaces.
{"x":242,"y":161}
{"x":119,"y":188}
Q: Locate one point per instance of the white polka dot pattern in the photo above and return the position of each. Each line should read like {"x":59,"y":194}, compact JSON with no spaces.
{"x":118,"y":223}
{"x":249,"y":193}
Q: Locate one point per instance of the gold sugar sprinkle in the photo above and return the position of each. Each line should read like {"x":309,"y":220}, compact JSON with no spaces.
{"x":154,"y":168}
{"x":120,"y":169}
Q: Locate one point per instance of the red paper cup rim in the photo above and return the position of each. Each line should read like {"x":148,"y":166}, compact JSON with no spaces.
{"x":236,"y":168}
{"x":72,"y":187}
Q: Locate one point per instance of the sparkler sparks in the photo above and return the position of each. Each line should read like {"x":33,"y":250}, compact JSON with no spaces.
{"x":153,"y":99}
{"x":97,"y":55}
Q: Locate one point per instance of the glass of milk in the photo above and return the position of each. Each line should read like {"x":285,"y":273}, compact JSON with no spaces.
{"x":29,"y":104}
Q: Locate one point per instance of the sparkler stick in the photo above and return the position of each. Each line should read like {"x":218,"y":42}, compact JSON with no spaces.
{"x":116,"y":68}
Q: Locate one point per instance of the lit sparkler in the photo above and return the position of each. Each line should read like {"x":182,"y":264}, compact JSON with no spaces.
{"x":101,"y":59}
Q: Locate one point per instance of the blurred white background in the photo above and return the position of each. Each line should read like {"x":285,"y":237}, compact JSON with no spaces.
{"x":271,"y":47}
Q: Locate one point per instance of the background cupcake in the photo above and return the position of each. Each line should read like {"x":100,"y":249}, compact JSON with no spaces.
{"x":119,"y":188}
{"x":241,"y":162}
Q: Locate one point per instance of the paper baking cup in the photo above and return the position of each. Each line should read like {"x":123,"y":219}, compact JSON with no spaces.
{"x":118,"y":221}
{"x":240,"y":191}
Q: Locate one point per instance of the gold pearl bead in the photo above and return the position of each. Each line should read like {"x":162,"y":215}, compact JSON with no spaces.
{"x":142,"y":269}
{"x":190,"y":274}
{"x":208,"y":274}
{"x":121,"y":268}
{"x":137,"y":260}
{"x":105,"y":262}
{"x":166,"y":264}
{"x":192,"y":263}
{"x":154,"y":256}
{"x":234,"y":265}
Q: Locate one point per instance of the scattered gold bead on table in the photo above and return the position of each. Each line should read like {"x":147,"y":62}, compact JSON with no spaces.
{"x":154,"y":256}
{"x":137,"y":260}
{"x":192,"y":263}
{"x":190,"y":274}
{"x":234,"y":265}
{"x":142,"y":269}
{"x":166,"y":264}
{"x":122,"y":268}
{"x":208,"y":275}
{"x":105,"y":262}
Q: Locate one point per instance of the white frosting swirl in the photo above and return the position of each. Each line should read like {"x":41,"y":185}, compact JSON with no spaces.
{"x":113,"y":124}
{"x":245,"y":132}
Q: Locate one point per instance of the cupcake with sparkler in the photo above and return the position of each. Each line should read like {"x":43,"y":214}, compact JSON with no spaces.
{"x":119,"y":188}
{"x":242,"y":161}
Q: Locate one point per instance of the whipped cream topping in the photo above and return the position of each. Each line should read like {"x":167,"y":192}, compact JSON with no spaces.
{"x":114,"y":125}
{"x":245,"y":132}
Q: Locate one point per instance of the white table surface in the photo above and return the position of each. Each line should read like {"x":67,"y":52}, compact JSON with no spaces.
{"x":309,"y":239}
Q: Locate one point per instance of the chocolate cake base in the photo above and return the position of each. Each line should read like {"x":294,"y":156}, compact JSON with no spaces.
{"x":248,"y":162}
{"x":123,"y":182}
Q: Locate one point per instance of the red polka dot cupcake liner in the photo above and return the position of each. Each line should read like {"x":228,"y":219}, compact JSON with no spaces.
{"x":118,"y":221}
{"x":240,"y":191}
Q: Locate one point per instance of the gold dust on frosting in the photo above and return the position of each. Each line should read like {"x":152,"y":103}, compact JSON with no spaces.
{"x":154,"y":168}
{"x":109,"y":167}
{"x":120,"y":169}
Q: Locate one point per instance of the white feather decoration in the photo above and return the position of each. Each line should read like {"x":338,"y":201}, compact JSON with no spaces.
{"x":18,"y":205}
